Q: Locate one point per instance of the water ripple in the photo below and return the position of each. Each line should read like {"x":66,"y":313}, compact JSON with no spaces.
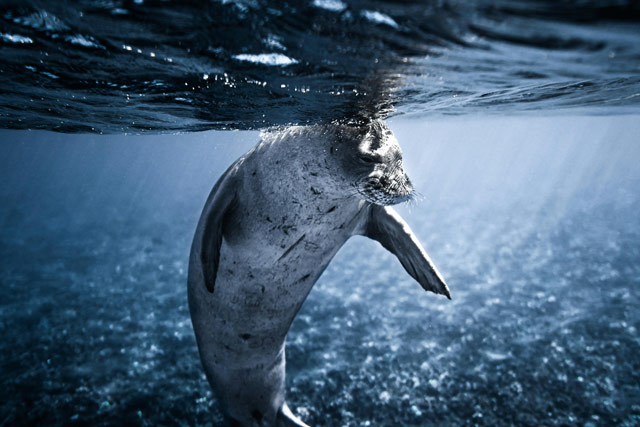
{"x":263,"y":58}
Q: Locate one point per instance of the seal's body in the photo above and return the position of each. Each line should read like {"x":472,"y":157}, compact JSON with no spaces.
{"x":270,"y":227}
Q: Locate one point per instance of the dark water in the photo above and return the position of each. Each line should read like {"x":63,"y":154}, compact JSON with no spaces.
{"x":131,"y":66}
{"x":533,"y":221}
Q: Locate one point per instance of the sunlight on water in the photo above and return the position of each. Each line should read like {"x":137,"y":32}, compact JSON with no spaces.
{"x":266,"y":59}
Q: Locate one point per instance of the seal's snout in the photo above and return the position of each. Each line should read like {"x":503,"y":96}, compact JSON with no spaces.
{"x":403,"y":189}
{"x":403,"y":185}
{"x":387,"y":187}
{"x":380,"y":158}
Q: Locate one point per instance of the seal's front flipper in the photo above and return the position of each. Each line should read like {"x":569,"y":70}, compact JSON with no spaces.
{"x":287,"y":419}
{"x":387,"y":227}
{"x":218,"y":205}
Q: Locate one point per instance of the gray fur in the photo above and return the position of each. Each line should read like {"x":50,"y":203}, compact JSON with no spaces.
{"x":268,"y":230}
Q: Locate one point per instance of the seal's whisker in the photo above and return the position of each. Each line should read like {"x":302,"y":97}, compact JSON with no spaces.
{"x":416,"y":196}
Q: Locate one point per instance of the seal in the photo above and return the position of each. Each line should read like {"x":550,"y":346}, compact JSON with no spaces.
{"x":269,"y":228}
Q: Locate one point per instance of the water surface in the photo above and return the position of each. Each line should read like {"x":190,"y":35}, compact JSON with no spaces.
{"x":152,"y":65}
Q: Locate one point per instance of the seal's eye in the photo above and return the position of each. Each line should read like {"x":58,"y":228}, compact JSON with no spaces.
{"x":367,"y":159}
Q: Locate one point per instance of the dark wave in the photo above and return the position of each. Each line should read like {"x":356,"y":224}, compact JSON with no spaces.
{"x":153,"y":65}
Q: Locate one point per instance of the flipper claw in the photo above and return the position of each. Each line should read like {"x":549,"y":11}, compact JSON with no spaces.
{"x":287,"y":419}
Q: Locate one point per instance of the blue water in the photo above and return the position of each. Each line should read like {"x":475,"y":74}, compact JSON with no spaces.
{"x":532,"y":220}
{"x":519,"y":122}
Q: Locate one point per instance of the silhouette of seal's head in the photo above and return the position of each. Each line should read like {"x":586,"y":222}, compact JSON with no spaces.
{"x":360,"y":160}
{"x":372,"y":163}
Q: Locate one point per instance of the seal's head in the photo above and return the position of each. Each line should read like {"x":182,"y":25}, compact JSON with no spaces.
{"x":373,"y":164}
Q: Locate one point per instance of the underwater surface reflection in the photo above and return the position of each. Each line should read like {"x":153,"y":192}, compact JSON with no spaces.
{"x":96,"y":66}
{"x":533,"y":221}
